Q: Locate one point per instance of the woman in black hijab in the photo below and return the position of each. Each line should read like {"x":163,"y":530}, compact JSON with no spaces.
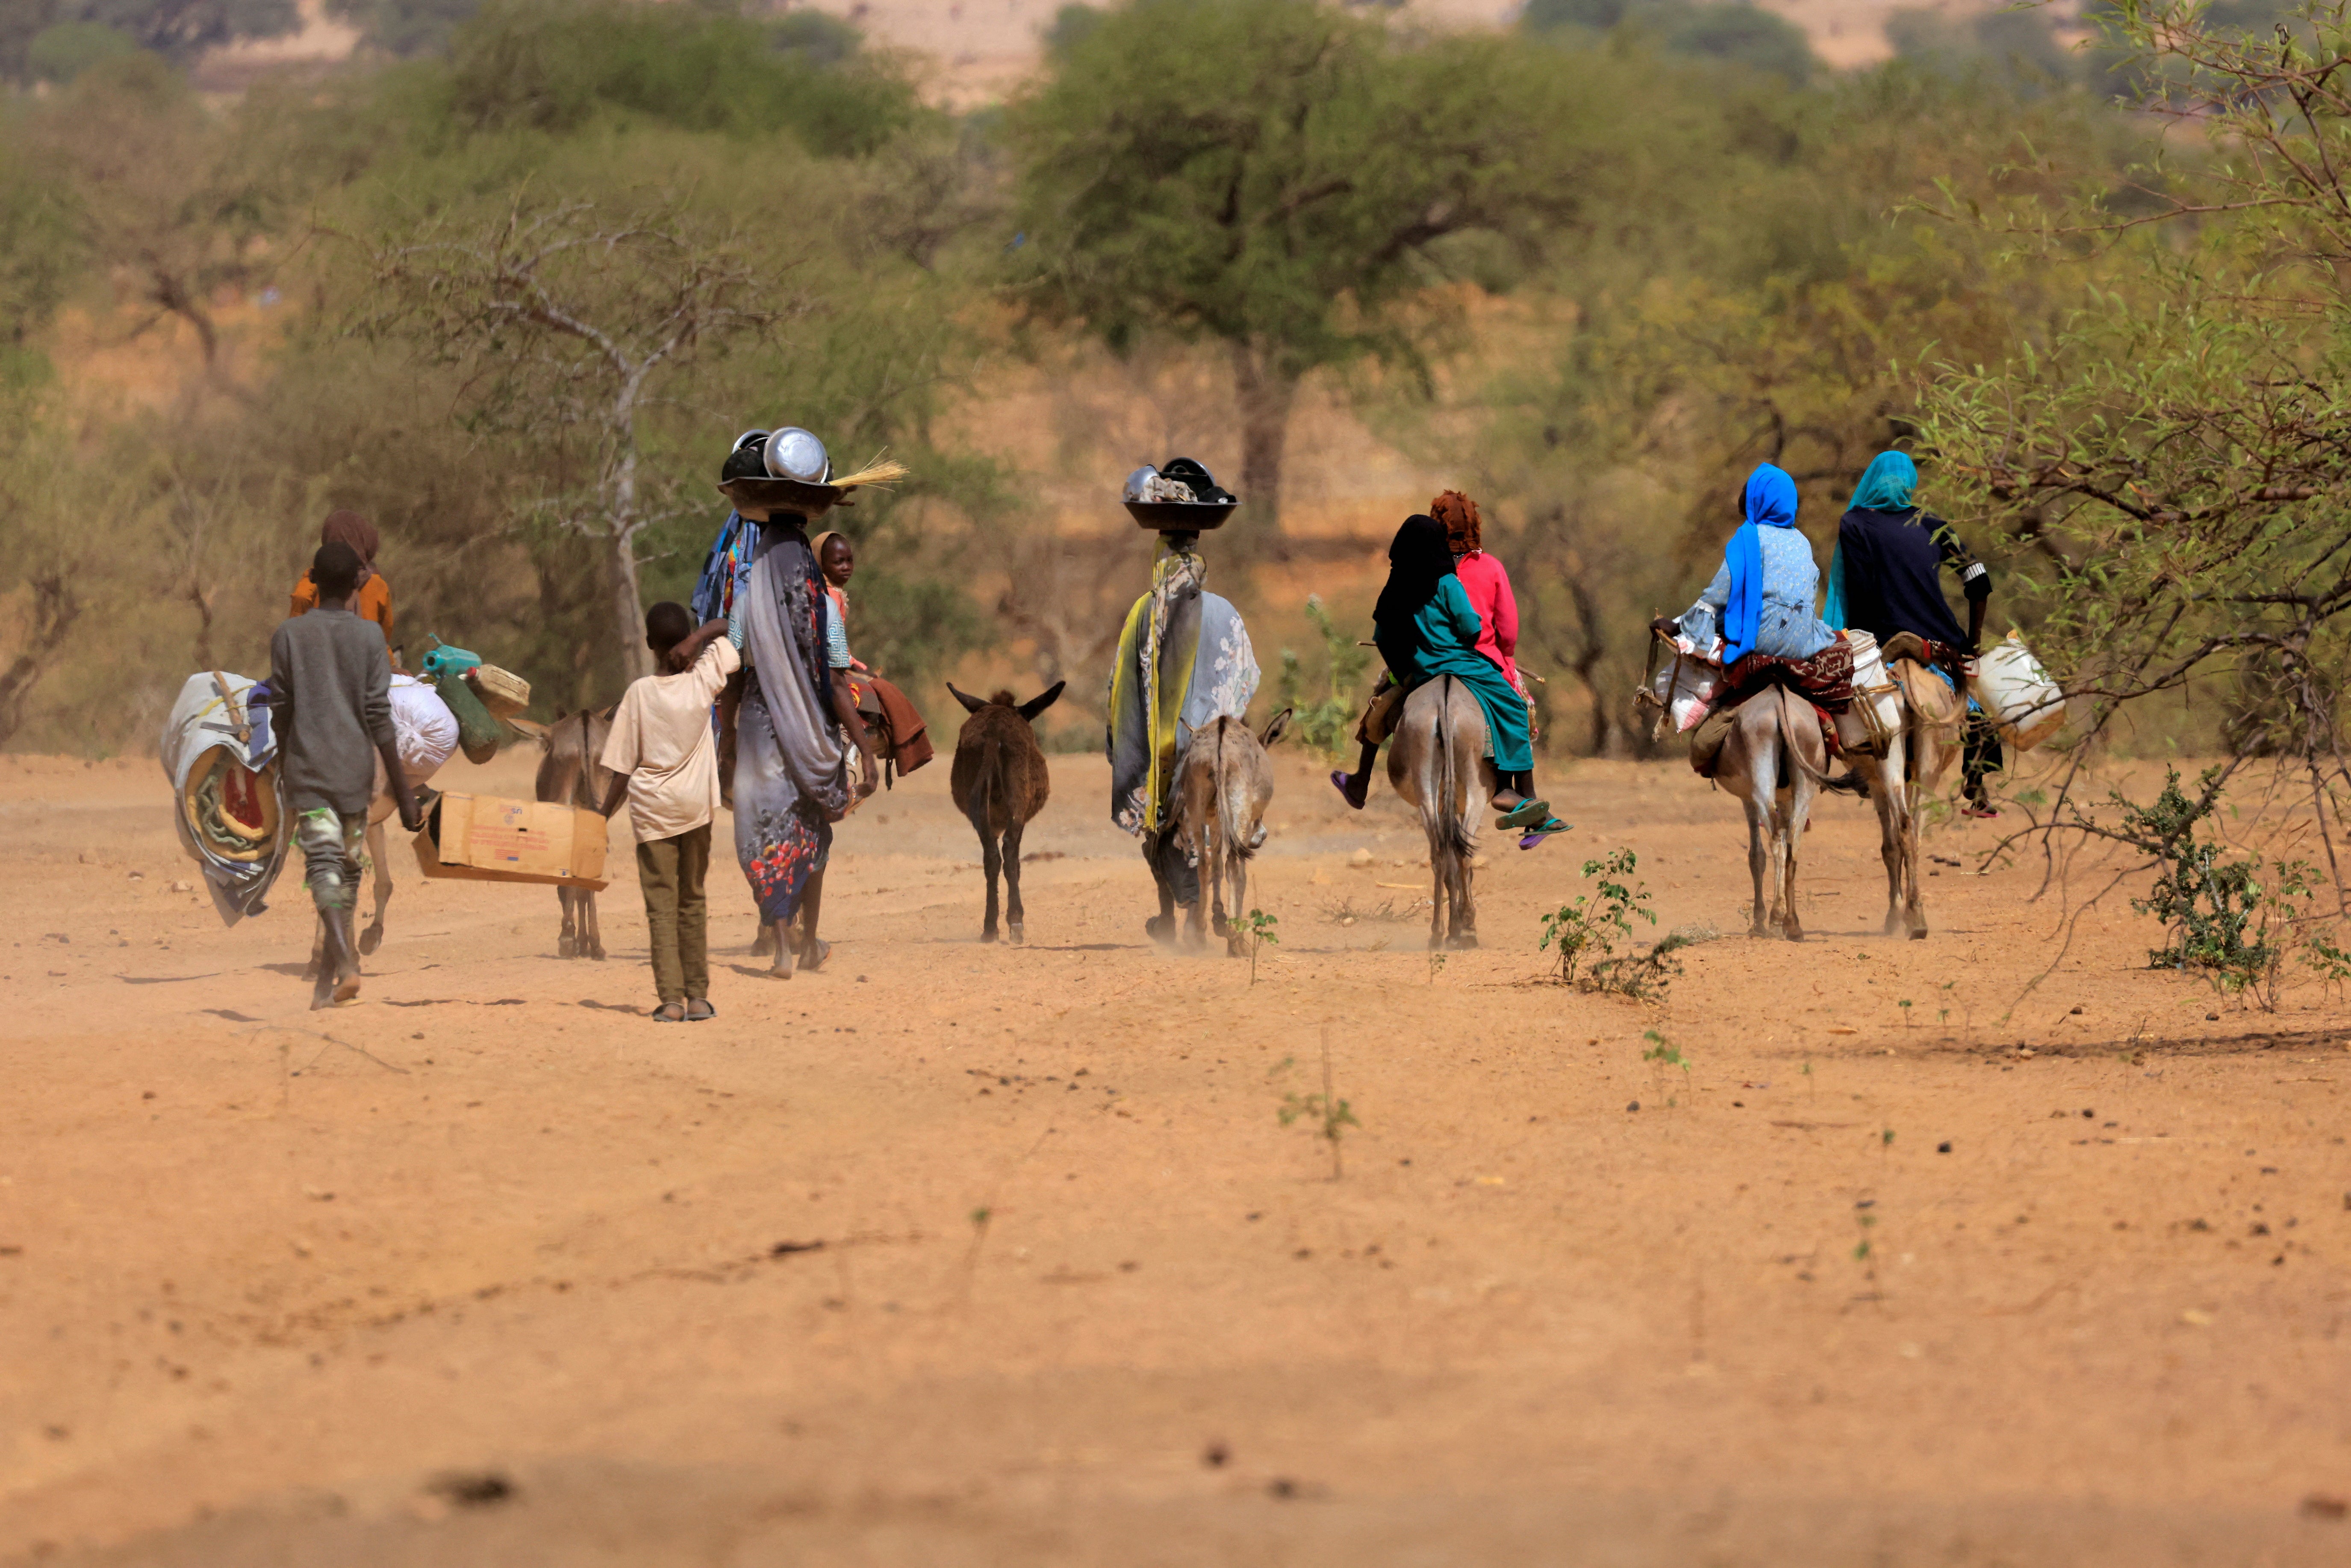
{"x":1423,"y":625}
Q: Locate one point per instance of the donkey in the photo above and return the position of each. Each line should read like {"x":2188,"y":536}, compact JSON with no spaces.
{"x":1775,"y":761}
{"x":572,"y":774}
{"x":1437,"y":761}
{"x":999,"y":783}
{"x":1222,"y":788}
{"x":1917,"y":758}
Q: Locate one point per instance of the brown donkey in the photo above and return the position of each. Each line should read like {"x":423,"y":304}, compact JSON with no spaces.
{"x":571,"y":774}
{"x":999,"y":783}
{"x":1222,"y":788}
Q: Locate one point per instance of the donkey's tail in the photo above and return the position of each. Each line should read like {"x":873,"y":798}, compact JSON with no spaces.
{"x":1229,"y":804}
{"x":1448,"y":786}
{"x":988,"y":784}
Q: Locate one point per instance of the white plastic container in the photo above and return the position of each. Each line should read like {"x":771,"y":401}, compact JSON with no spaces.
{"x":2017,"y":694}
{"x":1877,"y":700}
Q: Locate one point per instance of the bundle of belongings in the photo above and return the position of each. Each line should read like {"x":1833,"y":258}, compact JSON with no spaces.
{"x":220,"y":752}
{"x":427,"y":734}
{"x":221,"y":759}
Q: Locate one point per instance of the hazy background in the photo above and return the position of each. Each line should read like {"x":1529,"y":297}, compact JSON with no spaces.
{"x":1589,"y":260}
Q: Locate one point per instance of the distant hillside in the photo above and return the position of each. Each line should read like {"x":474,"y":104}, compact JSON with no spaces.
{"x":980,"y":50}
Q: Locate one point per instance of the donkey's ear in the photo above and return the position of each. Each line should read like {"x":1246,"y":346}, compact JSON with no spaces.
{"x":1041,"y":701}
{"x":1274,"y":728}
{"x":970,"y":703}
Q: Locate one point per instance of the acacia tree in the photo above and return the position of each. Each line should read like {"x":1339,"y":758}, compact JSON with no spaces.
{"x":565,"y":324}
{"x":2179,"y":464}
{"x":1281,"y":179}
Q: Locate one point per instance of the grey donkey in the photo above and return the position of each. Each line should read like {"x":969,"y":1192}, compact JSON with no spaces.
{"x":1222,"y":788}
{"x":1774,"y":761}
{"x":1440,"y":761}
{"x":1902,"y":738}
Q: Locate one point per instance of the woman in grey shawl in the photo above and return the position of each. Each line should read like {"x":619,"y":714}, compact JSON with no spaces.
{"x":791,"y":775}
{"x":1184,"y":661}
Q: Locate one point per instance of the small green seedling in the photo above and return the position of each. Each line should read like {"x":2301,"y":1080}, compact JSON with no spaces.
{"x":1586,"y":933}
{"x":1813,"y":1088}
{"x":1325,"y":1111}
{"x":1664,"y":1053}
{"x":1435,"y":964}
{"x":1865,"y":1251}
{"x":1260,"y":932}
{"x":1904,"y":1005}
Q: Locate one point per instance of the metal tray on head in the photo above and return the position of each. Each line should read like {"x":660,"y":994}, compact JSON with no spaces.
{"x":1180,"y":516}
{"x":786,"y":495}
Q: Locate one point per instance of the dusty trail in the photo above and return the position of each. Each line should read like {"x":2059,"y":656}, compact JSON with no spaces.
{"x":721,"y":1293}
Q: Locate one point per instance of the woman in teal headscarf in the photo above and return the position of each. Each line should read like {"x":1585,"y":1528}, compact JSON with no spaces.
{"x":1887,"y":579}
{"x":1887,"y":485}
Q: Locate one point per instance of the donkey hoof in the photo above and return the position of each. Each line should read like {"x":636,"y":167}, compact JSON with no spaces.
{"x":1224,"y":928}
{"x":565,"y":947}
{"x":763,"y":946}
{"x":1919,"y":934}
{"x":597,"y":952}
{"x":371,"y":940}
{"x":1794,"y":934}
{"x":1016,"y":935}
{"x":1462,"y":941}
{"x":1236,"y":946}
{"x":987,"y":933}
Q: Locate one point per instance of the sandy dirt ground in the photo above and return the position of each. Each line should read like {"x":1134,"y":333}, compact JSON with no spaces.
{"x":969,"y":1255}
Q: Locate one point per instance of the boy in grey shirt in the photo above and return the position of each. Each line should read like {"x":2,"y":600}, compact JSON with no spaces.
{"x":330,"y":686}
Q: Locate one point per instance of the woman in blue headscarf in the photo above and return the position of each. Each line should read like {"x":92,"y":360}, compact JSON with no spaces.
{"x":1760,"y":601}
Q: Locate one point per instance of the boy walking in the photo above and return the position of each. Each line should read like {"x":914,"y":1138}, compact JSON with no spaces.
{"x":329,"y":690}
{"x":665,"y":760}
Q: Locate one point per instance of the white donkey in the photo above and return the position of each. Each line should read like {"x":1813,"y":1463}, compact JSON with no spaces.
{"x":1775,"y":761}
{"x":1902,"y":736}
{"x":1437,"y":760}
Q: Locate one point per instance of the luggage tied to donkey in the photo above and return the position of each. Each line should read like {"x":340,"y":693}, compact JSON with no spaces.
{"x":1823,"y":679}
{"x":228,"y":806}
{"x":452,"y":671}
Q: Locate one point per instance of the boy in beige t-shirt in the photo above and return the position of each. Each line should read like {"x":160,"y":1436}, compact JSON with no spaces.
{"x":666,"y":764}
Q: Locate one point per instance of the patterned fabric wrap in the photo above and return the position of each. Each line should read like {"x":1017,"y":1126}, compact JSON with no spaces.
{"x":791,"y":775}
{"x":1184,"y":661}
{"x":1824,"y":680}
{"x":727,"y":570}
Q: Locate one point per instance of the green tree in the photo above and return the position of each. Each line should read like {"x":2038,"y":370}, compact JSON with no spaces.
{"x":553,"y":65}
{"x":1730,"y":30}
{"x":405,"y":28}
{"x":2177,"y":458}
{"x":568,"y":322}
{"x":179,"y":30}
{"x":1281,"y":179}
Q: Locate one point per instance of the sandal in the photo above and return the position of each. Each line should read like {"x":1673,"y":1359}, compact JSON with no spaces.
{"x":670,"y":1012}
{"x":1339,"y":782}
{"x":1525,"y":814}
{"x":1535,"y":836}
{"x":1979,"y":811}
{"x":698,"y":1008}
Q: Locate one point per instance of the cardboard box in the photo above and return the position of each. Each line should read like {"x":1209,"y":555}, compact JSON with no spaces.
{"x":484,"y":837}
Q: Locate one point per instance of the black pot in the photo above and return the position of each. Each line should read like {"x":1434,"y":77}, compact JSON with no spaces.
{"x":786,"y":495}
{"x":1180,"y":516}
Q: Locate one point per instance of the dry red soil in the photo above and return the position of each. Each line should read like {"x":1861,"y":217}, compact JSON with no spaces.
{"x":962,"y":1255}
